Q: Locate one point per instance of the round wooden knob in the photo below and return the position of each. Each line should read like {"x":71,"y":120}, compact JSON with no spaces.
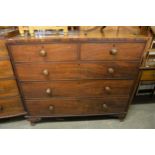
{"x":50,"y":108}
{"x":105,"y":106}
{"x":48,"y":91}
{"x":111,"y":70}
{"x":107,"y":89}
{"x":43,"y":53}
{"x":1,"y":108}
{"x":46,"y":72}
{"x":113,"y":51}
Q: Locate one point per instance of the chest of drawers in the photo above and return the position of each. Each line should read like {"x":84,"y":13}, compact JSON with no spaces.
{"x":77,"y":77}
{"x":10,"y":101}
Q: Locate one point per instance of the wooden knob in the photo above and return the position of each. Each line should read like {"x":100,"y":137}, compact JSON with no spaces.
{"x":111,"y":70}
{"x":48,"y":91}
{"x":43,"y":53}
{"x":1,"y":108}
{"x":107,"y":89}
{"x":50,"y":108}
{"x":46,"y":72}
{"x":113,"y":51}
{"x":105,"y":106}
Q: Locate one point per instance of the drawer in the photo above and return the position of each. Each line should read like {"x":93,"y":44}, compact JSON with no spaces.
{"x":85,"y":88}
{"x":11,"y":107}
{"x":44,"y":52}
{"x":57,"y":71}
{"x":62,"y":107}
{"x":3,"y":50}
{"x":8,"y":88}
{"x":111,"y":51}
{"x":112,"y":69}
{"x":148,"y":75}
{"x":5,"y":69}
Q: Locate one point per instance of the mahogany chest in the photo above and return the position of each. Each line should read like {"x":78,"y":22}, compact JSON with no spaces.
{"x":61,"y":77}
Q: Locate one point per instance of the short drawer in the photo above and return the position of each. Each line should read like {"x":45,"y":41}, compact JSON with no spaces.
{"x":111,"y":51}
{"x":148,"y":75}
{"x":8,"y":88}
{"x":58,"y":71}
{"x":11,"y":107}
{"x":44,"y":52}
{"x":86,"y":88}
{"x":5,"y":69}
{"x":3,"y":50}
{"x":68,"y":107}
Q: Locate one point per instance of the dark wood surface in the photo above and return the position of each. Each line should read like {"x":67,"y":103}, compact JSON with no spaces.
{"x":61,"y":107}
{"x":11,"y":107}
{"x":8,"y":88}
{"x":76,"y":70}
{"x":54,"y":52}
{"x":10,"y":100}
{"x":5,"y":69}
{"x":125,"y":51}
{"x":3,"y":50}
{"x":85,"y":88}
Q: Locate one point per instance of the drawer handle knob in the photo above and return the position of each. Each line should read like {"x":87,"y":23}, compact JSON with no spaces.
{"x":48,"y":91}
{"x":50,"y":108}
{"x":1,"y":108}
{"x":43,"y":53}
{"x":107,"y":89}
{"x":111,"y":70}
{"x":46,"y":72}
{"x":105,"y":106}
{"x":113,"y":51}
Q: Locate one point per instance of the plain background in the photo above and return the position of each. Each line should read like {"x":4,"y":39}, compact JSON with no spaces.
{"x":74,"y":13}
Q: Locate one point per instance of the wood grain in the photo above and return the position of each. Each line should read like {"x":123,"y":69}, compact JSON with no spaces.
{"x":82,"y":70}
{"x":3,"y":50}
{"x":11,"y":107}
{"x":8,"y":88}
{"x":125,"y":51}
{"x":54,"y":52}
{"x":5,"y":69}
{"x":86,"y":88}
{"x":75,"y":106}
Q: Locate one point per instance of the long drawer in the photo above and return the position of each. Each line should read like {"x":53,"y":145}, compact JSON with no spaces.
{"x":11,"y":107}
{"x":5,"y":69}
{"x":44,"y":52}
{"x":8,"y":88}
{"x":86,"y":88}
{"x":57,"y":71}
{"x":111,"y":51}
{"x":62,"y":107}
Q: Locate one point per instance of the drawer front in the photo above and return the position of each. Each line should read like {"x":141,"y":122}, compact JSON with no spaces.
{"x":112,"y":69}
{"x":5,"y":69}
{"x":10,"y":107}
{"x":110,"y":51}
{"x":50,"y":71}
{"x":148,"y":75}
{"x":89,"y":88}
{"x":3,"y":50}
{"x":62,"y":107}
{"x":47,"y":71}
{"x":44,"y":52}
{"x":8,"y":88}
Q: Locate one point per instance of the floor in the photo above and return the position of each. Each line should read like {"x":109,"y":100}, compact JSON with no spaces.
{"x":140,"y":116}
